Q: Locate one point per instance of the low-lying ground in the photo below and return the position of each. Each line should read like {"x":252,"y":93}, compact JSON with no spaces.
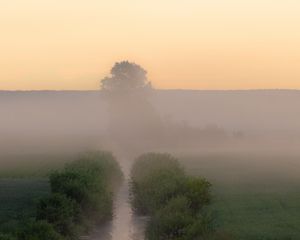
{"x":18,"y":200}
{"x":256,"y":196}
{"x":23,"y":181}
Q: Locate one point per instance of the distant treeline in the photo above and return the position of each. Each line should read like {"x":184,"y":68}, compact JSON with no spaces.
{"x":81,"y":197}
{"x":174,"y":201}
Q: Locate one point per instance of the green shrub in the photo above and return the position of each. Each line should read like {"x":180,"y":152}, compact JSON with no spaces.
{"x":72,"y":184}
{"x":149,"y":163}
{"x":101,"y":165}
{"x":155,"y":190}
{"x":7,"y":237}
{"x":171,"y":221}
{"x":197,"y":191}
{"x":89,"y":181}
{"x":156,"y":178}
{"x":59,"y":211}
{"x":39,"y":230}
{"x":177,"y":221}
{"x":174,"y":201}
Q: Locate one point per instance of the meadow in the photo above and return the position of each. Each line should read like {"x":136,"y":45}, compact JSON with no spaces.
{"x":255,"y":195}
{"x":18,"y":198}
{"x":23,"y":181}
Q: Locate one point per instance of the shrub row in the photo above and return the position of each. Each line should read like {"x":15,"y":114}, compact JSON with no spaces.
{"x":81,"y":197}
{"x":174,"y":201}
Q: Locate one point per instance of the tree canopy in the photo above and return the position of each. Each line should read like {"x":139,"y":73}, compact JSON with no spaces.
{"x":126,"y":76}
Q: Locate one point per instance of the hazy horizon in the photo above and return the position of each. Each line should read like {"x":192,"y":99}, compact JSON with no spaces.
{"x":156,"y":89}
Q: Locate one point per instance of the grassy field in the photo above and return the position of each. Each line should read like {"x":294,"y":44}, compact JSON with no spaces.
{"x":23,"y":180}
{"x":18,"y":200}
{"x":256,"y":196}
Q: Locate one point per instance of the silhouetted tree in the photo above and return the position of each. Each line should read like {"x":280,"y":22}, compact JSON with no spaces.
{"x":126,"y":76}
{"x":134,"y":123}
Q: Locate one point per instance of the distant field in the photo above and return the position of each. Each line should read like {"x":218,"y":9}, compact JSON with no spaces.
{"x":31,"y":165}
{"x":17,"y":200}
{"x":256,"y":196}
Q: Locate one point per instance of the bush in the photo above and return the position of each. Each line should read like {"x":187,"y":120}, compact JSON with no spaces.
{"x":59,"y":211}
{"x":81,"y":196}
{"x":197,"y":191}
{"x":156,"y":178}
{"x":154,"y":191}
{"x":39,"y":230}
{"x":89,"y":181}
{"x":149,"y":163}
{"x":173,"y":200}
{"x":7,"y":237}
{"x":71,"y":184}
{"x":177,"y":221}
{"x":171,"y":221}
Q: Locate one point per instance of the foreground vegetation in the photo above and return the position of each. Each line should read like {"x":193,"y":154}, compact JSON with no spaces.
{"x":18,"y":198}
{"x":255,"y":195}
{"x":174,"y":201}
{"x":80,"y":198}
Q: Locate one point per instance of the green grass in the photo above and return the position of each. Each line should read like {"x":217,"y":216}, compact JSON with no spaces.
{"x":256,"y":196}
{"x":18,"y":199}
{"x":24,"y":180}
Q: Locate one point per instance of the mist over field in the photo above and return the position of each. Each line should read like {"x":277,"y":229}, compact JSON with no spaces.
{"x":199,"y":159}
{"x":254,"y":118}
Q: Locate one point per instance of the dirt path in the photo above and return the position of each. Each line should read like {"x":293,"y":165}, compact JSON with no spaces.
{"x":125,"y":224}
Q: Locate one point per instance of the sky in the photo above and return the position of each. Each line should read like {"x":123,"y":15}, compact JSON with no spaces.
{"x":183,"y":44}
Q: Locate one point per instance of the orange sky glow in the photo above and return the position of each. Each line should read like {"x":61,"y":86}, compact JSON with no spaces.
{"x":192,"y":44}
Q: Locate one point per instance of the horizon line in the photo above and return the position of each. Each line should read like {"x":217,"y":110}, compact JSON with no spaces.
{"x":159,"y":89}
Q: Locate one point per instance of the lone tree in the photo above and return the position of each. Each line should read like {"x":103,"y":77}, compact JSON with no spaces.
{"x":133,"y":121}
{"x":126,"y":76}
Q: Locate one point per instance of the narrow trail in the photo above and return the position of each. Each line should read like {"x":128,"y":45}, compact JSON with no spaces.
{"x":125,"y":225}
